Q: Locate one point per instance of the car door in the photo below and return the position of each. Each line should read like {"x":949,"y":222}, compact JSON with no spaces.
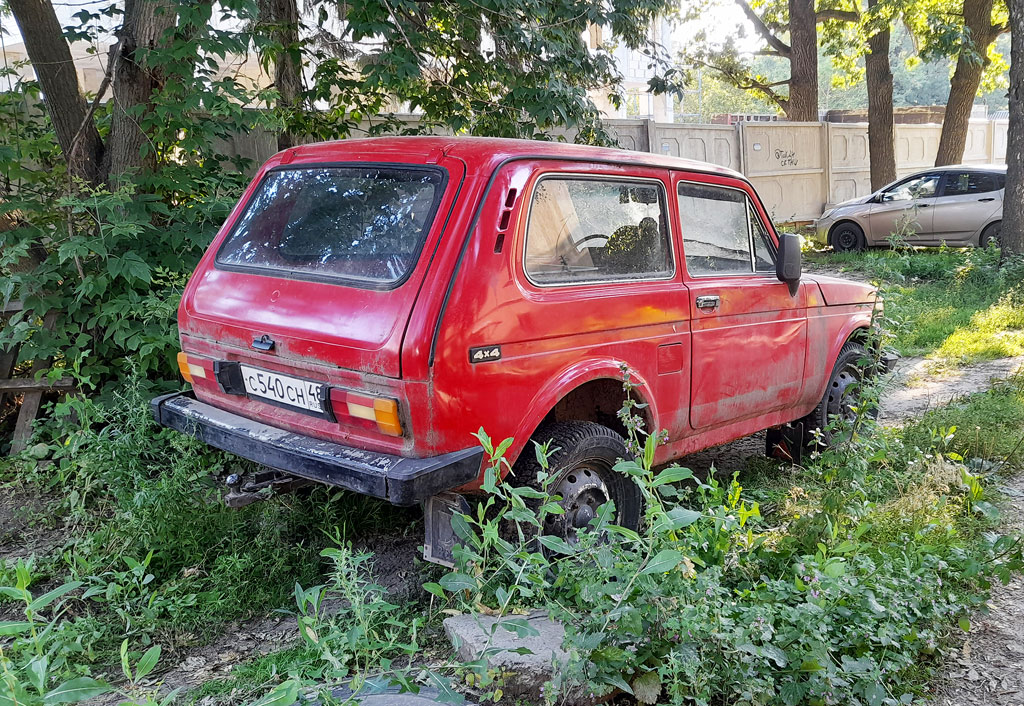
{"x":966,"y":202}
{"x":748,"y":332}
{"x":904,"y":209}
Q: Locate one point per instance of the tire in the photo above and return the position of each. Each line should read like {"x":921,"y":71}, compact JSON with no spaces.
{"x":582,"y":473}
{"x":840,"y":392}
{"x":991,"y":234}
{"x":847,"y":237}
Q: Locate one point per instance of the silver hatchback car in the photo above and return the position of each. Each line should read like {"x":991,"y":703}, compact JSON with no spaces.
{"x":958,"y":205}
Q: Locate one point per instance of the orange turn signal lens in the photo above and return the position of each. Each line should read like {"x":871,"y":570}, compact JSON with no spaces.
{"x":386,"y":414}
{"x":382,"y":411}
{"x":189,"y":370}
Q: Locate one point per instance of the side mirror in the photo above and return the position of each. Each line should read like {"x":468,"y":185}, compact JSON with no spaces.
{"x":789,"y":266}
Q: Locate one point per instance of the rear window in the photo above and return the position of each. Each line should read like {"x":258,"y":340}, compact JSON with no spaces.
{"x":363,"y":225}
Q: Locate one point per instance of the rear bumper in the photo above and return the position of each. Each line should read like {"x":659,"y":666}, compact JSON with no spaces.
{"x":399,"y":480}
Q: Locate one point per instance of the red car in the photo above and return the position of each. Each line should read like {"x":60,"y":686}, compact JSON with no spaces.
{"x":370,"y":304}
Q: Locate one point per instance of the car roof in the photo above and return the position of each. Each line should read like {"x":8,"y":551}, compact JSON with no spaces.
{"x":484,"y":153}
{"x":965,"y":167}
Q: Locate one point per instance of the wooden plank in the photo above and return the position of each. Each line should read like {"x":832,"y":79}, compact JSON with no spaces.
{"x":12,"y":307}
{"x":30,"y":403}
{"x":8,"y":359}
{"x":30,"y":385}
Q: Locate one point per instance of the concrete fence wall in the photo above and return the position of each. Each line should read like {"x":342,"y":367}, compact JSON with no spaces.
{"x":798,"y":168}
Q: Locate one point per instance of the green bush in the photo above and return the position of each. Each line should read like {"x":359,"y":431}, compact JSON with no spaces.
{"x":159,"y":557}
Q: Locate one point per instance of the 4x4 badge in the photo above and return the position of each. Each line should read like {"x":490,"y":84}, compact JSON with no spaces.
{"x":484,"y":354}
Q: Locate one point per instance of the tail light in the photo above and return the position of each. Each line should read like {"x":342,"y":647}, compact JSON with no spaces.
{"x":380,"y":413}
{"x":189,"y":369}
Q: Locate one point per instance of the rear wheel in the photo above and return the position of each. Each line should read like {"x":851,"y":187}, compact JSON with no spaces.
{"x":841,"y":394}
{"x":582,"y":474}
{"x":991,"y":234}
{"x":848,"y":237}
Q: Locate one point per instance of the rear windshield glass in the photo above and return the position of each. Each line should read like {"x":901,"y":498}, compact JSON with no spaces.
{"x":363,"y":225}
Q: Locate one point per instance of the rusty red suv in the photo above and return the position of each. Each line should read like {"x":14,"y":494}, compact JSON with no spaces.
{"x":370,"y":304}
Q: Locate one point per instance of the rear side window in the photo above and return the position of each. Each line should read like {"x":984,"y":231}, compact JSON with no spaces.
{"x":960,"y":183}
{"x":722,"y":233}
{"x":594,"y":230}
{"x":359,"y":225}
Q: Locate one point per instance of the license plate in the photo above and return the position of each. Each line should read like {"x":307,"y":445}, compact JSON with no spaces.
{"x":286,"y":391}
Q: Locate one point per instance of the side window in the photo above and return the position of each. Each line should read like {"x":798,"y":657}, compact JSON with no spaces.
{"x":590,"y":230}
{"x":721,"y":232}
{"x":961,"y":183}
{"x":921,"y":187}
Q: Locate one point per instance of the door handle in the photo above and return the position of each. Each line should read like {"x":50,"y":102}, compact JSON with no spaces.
{"x":923,"y":205}
{"x":708,"y":301}
{"x":990,"y":198}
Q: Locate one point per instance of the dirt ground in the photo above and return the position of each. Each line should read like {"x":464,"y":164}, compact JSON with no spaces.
{"x":23,"y":531}
{"x":916,"y":387}
{"x":396,"y":567}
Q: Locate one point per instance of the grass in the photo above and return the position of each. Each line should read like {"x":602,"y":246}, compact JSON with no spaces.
{"x":162,"y":559}
{"x":166,"y":564}
{"x":954,"y":306}
{"x":987,"y":425}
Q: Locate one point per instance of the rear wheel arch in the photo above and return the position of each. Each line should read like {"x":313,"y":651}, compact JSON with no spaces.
{"x":593,"y":394}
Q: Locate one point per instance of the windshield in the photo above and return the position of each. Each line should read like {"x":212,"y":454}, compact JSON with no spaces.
{"x":363,"y":225}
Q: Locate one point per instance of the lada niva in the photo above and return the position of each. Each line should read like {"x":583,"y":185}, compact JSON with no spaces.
{"x":371,"y":303}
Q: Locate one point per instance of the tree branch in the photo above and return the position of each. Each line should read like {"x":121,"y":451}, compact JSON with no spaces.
{"x":841,"y":15}
{"x":777,"y":44}
{"x":745,"y":82}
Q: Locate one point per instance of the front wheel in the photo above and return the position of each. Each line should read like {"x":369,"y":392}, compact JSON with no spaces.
{"x":848,"y":237}
{"x":841,"y":394}
{"x":581,"y":465}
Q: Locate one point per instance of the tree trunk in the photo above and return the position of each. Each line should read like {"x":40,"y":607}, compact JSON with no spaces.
{"x":146,"y":23}
{"x":802,"y":105}
{"x":283,"y":16}
{"x":881,"y":131}
{"x":964,"y":88}
{"x":1012,"y":234}
{"x":55,"y":69}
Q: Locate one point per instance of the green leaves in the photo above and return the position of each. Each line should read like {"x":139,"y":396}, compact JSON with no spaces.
{"x":46,"y":599}
{"x":674,"y":474}
{"x":455,"y":582}
{"x":14,"y":627}
{"x":664,"y":561}
{"x":74,"y":691}
{"x":647,"y":688}
{"x":555,"y":544}
{"x":284,"y":694}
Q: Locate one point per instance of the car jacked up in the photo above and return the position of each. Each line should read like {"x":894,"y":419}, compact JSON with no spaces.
{"x":370,"y":304}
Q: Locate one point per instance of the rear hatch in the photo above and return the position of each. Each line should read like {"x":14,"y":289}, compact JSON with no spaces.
{"x":315,"y":278}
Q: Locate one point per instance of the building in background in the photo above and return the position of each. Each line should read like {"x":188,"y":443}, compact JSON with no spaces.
{"x":636,"y":71}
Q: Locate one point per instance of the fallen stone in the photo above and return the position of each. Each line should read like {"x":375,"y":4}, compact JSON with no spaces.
{"x":524,"y":673}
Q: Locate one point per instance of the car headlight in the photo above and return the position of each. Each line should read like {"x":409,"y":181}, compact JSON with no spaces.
{"x":826,"y":214}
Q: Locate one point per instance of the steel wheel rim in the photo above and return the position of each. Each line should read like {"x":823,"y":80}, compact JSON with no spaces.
{"x":839,"y":394}
{"x":583,"y":490}
{"x":846,"y":239}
